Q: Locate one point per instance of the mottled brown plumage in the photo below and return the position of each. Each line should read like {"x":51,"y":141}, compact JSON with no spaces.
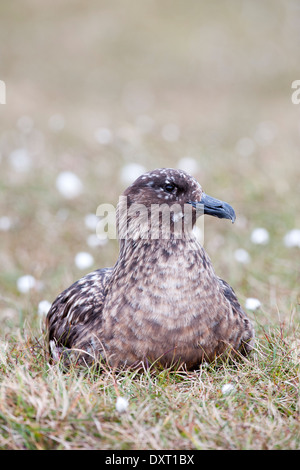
{"x":162,"y":301}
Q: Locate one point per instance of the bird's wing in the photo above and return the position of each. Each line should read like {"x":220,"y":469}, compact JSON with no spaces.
{"x":231,"y":296}
{"x":77,"y":311}
{"x":242,"y":327}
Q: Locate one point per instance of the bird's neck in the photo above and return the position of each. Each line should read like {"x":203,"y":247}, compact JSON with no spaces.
{"x":163,"y":261}
{"x":160,"y":281}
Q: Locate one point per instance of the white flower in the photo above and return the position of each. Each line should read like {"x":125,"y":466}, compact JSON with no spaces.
{"x":91,"y":221}
{"x":265,"y":133}
{"x":68,"y":184}
{"x":93,"y":241}
{"x":292,"y":238}
{"x":227,"y":389}
{"x":242,"y":256}
{"x":103,"y":135}
{"x":43,"y":308}
{"x":26,"y":283}
{"x":5,"y":223}
{"x":20,"y":160}
{"x":188,"y":164}
{"x":252,"y":303}
{"x":260,"y":236}
{"x":121,"y":404}
{"x":84,"y":260}
{"x":131,"y":172}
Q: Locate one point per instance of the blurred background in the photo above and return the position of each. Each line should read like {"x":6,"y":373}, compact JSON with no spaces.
{"x":97,"y":92}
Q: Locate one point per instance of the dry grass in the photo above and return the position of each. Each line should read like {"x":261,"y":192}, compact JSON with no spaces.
{"x":45,"y":408}
{"x":220,"y":74}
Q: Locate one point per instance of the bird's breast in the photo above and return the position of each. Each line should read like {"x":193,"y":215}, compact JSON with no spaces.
{"x":160,"y":299}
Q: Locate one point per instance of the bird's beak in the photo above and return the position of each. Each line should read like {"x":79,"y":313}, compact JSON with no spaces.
{"x":212,"y":206}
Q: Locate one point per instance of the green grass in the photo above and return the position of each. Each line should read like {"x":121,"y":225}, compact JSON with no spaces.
{"x":220,"y":73}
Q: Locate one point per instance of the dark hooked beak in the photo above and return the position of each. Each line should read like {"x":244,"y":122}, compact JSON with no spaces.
{"x":211,"y":206}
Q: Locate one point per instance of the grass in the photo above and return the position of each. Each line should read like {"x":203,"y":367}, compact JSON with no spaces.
{"x":45,"y":408}
{"x":220,"y":73}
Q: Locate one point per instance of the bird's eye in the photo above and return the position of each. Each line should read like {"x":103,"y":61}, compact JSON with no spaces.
{"x":169,"y":187}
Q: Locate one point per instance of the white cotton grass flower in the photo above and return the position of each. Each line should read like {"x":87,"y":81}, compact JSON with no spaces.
{"x":93,"y":240}
{"x":5,"y":223}
{"x":103,"y":135}
{"x":227,"y":389}
{"x":265,"y":133}
{"x":121,"y":404}
{"x":188,"y":164}
{"x":69,"y":185}
{"x":20,"y":160}
{"x":242,"y":256}
{"x":260,"y":236}
{"x":292,"y":238}
{"x":130,"y":172}
{"x":43,"y":308}
{"x":83,"y":260}
{"x":26,"y":283}
{"x":252,"y":304}
{"x":91,"y":221}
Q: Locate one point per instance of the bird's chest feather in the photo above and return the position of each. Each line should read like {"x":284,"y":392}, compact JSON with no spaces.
{"x":162,"y":292}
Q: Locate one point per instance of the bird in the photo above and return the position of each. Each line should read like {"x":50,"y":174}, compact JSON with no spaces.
{"x":162,"y":302}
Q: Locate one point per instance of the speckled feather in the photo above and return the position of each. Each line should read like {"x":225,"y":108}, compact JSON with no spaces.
{"x":162,"y":301}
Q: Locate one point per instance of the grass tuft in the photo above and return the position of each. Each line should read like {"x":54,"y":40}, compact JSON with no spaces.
{"x":42,"y":407}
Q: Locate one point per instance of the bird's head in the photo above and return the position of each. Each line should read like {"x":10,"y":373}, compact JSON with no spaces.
{"x":168,"y":196}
